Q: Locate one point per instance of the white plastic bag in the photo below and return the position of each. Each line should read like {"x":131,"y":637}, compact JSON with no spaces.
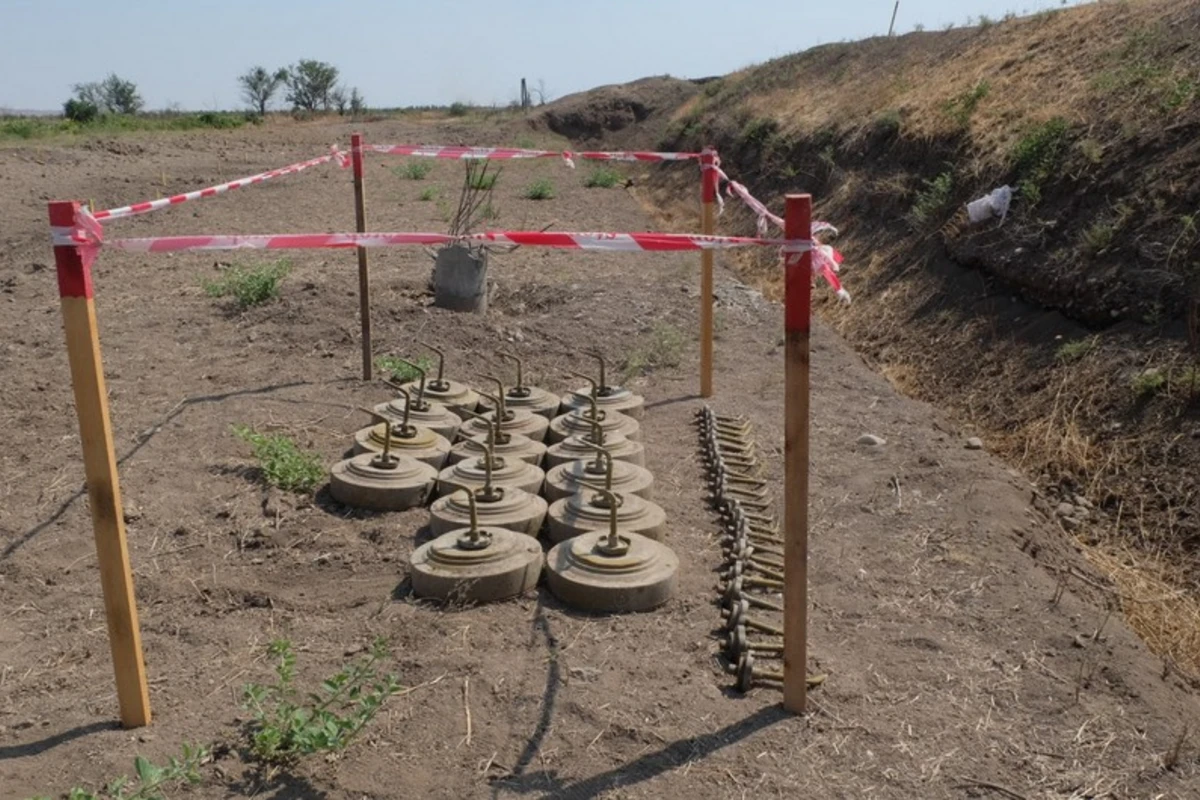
{"x":994,"y":204}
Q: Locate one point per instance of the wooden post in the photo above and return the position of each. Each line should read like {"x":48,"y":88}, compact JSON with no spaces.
{"x":364,"y":274}
{"x":100,"y":468}
{"x":797,"y":325}
{"x":708,"y":198}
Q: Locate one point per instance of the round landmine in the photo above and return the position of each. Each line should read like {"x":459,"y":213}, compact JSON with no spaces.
{"x":611,"y":570}
{"x":514,"y":509}
{"x":575,"y":447}
{"x":525,"y":423}
{"x":478,"y":472}
{"x":509,"y":445}
{"x":618,"y":476}
{"x":609,"y":398}
{"x":434,"y":416}
{"x":381,"y":482}
{"x":529,"y":398}
{"x":576,"y":422}
{"x":476,"y":563}
{"x":420,"y":443}
{"x":452,"y":394}
{"x":588,"y":511}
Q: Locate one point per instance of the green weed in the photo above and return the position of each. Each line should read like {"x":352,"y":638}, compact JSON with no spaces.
{"x":1149,"y":383}
{"x":414,"y":170}
{"x":603,"y":178}
{"x":401,"y":372}
{"x":458,"y":109}
{"x":251,"y":286}
{"x":525,"y":143}
{"x":1037,"y":156}
{"x":151,"y":781}
{"x":41,"y":127}
{"x":541,"y":189}
{"x":484,"y":181}
{"x":489,"y":212}
{"x":662,"y":348}
{"x":281,"y":461}
{"x":427,"y":194}
{"x":759,"y":131}
{"x":962,"y":106}
{"x":288,"y":724}
{"x":1072,"y":351}
{"x":933,"y":200}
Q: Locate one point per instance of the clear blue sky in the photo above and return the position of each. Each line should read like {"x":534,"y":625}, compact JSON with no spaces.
{"x":398,"y":53}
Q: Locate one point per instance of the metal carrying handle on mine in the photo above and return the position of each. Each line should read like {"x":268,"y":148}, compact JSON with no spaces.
{"x":473,"y":539}
{"x":421,"y":404}
{"x":489,"y":442}
{"x":614,"y":544}
{"x":520,"y":390}
{"x":605,"y":459}
{"x":384,"y":460}
{"x":440,"y":384}
{"x":405,"y":431}
{"x":501,"y":411}
{"x":597,"y":414}
{"x":500,"y":436}
{"x":602,"y":388}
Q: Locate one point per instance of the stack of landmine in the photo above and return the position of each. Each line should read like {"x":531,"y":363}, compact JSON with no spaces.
{"x":494,"y":497}
{"x":752,"y":548}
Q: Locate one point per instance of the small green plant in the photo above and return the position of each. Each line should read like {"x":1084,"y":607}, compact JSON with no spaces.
{"x":281,"y":461}
{"x":414,"y":170}
{"x":251,"y":286}
{"x":458,"y":109}
{"x":1149,"y":382}
{"x":489,"y":212}
{"x":759,"y":131}
{"x":602,"y":178}
{"x":1097,"y":237}
{"x":427,"y":194}
{"x":962,"y":106}
{"x":985,"y":22}
{"x":483,"y":181}
{"x":1072,"y":351}
{"x":541,"y":189}
{"x":525,"y":143}
{"x":288,"y":725}
{"x":151,"y":780}
{"x":401,"y":372}
{"x":933,"y":200}
{"x":1091,"y":150}
{"x":662,"y":348}
{"x":1036,"y":157}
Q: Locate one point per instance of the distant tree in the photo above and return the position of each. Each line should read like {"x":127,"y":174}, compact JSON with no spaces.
{"x":357,"y":104}
{"x":339,"y":99}
{"x":541,"y":93}
{"x":121,"y":96}
{"x":113,"y":95}
{"x":259,"y":86}
{"x":311,"y":85}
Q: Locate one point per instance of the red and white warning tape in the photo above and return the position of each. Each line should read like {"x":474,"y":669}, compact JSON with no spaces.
{"x":569,"y":156}
{"x":212,"y":191}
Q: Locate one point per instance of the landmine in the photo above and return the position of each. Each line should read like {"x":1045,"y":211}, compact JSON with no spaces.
{"x":491,"y":470}
{"x":382,"y":481}
{"x":529,"y":398}
{"x":609,"y":398}
{"x":406,"y":439}
{"x":563,"y":480}
{"x":523,"y":422}
{"x":434,"y":416}
{"x":581,"y":421}
{"x":589,"y":510}
{"x":476,"y":564}
{"x":612,"y":571}
{"x":578,"y":446}
{"x":498,"y":506}
{"x":451,"y":394}
{"x":503,"y":444}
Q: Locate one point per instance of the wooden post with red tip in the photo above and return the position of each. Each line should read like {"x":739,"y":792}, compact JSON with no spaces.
{"x":708,"y":198}
{"x":100,"y":469}
{"x":797,"y":226}
{"x":364,"y":274}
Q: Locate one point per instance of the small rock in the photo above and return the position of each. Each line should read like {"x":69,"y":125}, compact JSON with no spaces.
{"x":131,"y":513}
{"x":871,"y":440}
{"x":974,"y":443}
{"x":586,"y":674}
{"x":1080,"y":500}
{"x":1065,"y":510}
{"x":1071,"y":523}
{"x":1079,"y":641}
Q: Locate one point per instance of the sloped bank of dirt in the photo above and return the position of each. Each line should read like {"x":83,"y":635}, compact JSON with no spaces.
{"x":1060,"y":335}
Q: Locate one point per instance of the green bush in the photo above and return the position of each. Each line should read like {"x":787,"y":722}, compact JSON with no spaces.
{"x":288,"y":724}
{"x":1037,"y":156}
{"x":541,"y":189}
{"x":414,"y":170}
{"x":282,"y":463}
{"x":401,"y":372}
{"x":1074,"y":350}
{"x":427,"y":194}
{"x":459,"y":109}
{"x":603,"y":178}
{"x":80,"y":110}
{"x":934,"y":199}
{"x":483,"y":181}
{"x":249,"y":287}
{"x":962,"y":106}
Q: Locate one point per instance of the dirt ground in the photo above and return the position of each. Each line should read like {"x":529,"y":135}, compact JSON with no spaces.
{"x":952,"y":673}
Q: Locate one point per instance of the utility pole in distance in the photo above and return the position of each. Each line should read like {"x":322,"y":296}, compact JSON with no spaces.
{"x":892,"y":24}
